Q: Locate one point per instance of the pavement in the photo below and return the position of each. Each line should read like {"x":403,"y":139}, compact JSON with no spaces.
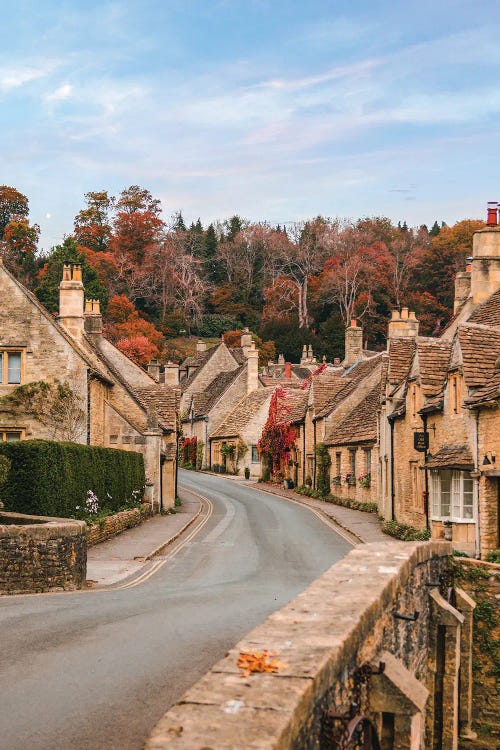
{"x":126,"y":553}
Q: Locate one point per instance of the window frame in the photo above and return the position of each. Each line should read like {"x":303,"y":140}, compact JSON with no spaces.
{"x":5,"y":430}
{"x":457,"y":494}
{"x":254,"y":452}
{"x":5,"y":352}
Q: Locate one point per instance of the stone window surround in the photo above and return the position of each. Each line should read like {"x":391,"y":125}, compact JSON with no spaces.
{"x":255,"y":455}
{"x":5,"y":430}
{"x":454,"y":519}
{"x":5,"y":352}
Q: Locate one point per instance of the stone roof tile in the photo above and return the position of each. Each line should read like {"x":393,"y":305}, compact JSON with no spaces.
{"x":401,"y":353}
{"x":451,"y":457}
{"x":480,"y":347}
{"x":243,"y":412}
{"x":433,"y":359}
{"x":488,"y":312}
{"x":360,"y":424}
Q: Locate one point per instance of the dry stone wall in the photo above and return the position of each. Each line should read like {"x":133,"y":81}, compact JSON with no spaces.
{"x":115,"y":524}
{"x":40,"y":554}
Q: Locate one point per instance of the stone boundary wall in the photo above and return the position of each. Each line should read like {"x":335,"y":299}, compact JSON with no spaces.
{"x":344,"y":619}
{"x":115,"y":524}
{"x":482,"y":581}
{"x":39,"y":554}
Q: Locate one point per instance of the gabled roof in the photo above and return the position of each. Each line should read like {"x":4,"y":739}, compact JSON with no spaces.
{"x":480,"y":349}
{"x":488,"y":313}
{"x":488,"y":395}
{"x":401,"y":352}
{"x":197,"y":361}
{"x":360,"y":424}
{"x":433,"y":360}
{"x":205,"y":400}
{"x":324,"y":388}
{"x":243,"y":412}
{"x":165,"y":402}
{"x":292,"y":407}
{"x":352,"y":378}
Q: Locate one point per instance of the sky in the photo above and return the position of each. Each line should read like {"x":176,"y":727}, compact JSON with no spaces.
{"x":276,"y":110}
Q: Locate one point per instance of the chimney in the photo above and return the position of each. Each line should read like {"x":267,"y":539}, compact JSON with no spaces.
{"x":252,"y":355}
{"x":288,"y":369}
{"x":403,"y":324}
{"x":201,"y":346}
{"x":310,"y":355}
{"x":172,"y":374}
{"x":154,"y":369}
{"x":462,"y":287}
{"x":71,"y":296}
{"x":281,"y":359}
{"x":93,"y":317}
{"x":485,"y":276}
{"x":246,"y":339}
{"x":353,"y":344}
{"x":303,"y":359}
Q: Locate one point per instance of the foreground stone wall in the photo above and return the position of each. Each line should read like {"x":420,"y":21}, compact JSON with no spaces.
{"x":482,"y":582}
{"x":115,"y":524}
{"x":40,"y":554}
{"x":343,"y":620}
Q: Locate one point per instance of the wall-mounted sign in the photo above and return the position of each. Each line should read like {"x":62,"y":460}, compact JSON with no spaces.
{"x":421,"y":441}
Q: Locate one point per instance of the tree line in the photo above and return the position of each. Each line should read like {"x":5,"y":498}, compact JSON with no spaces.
{"x":159,"y":280}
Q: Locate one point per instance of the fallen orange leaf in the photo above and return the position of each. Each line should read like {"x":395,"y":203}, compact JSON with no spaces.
{"x":258,"y":661}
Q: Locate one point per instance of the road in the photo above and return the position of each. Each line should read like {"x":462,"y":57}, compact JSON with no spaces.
{"x":96,"y":670}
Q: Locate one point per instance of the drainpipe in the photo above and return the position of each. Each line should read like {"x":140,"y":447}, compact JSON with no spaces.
{"x":304,"y":454}
{"x":206,"y":440}
{"x":391,"y":422}
{"x":426,"y":474}
{"x":210,"y":454}
{"x":314,"y":455}
{"x":478,"y":522}
{"x":176,"y":467}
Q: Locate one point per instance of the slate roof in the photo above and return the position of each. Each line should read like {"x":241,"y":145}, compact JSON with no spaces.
{"x":480,"y":347}
{"x":360,"y":424}
{"x":243,"y":412}
{"x":433,"y":358}
{"x":451,"y":457}
{"x":488,"y":313}
{"x":205,"y":400}
{"x":141,"y":386}
{"x":165,"y":402}
{"x":293,"y":407}
{"x":352,"y":378}
{"x":401,"y":352}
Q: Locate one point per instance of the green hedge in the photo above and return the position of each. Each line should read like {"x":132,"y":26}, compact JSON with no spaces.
{"x":51,"y":479}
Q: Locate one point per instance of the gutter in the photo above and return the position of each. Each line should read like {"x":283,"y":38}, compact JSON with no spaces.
{"x":426,"y":473}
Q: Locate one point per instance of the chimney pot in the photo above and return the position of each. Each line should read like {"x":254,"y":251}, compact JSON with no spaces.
{"x":492,"y":216}
{"x":411,"y":315}
{"x":66,"y":272}
{"x":354,"y":323}
{"x":288,"y":369}
{"x":395,"y":315}
{"x":88,"y":305}
{"x":404,"y":313}
{"x":77,"y":271}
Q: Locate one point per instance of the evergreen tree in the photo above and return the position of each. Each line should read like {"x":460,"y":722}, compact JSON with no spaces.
{"x":48,"y":289}
{"x":435,"y":229}
{"x":179,"y":225}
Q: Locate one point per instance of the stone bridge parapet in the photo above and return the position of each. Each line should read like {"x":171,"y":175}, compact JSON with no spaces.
{"x":392,"y":602}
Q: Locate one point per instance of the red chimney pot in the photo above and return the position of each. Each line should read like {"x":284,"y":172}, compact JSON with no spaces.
{"x":288,"y":369}
{"x":492,"y":218}
{"x":354,"y":323}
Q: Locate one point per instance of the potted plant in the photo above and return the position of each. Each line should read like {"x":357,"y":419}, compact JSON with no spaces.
{"x":350,"y":479}
{"x":336,"y":480}
{"x":448,"y":530}
{"x":309,"y":481}
{"x":247,"y":472}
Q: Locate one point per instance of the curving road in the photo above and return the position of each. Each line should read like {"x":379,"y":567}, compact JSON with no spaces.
{"x":96,"y":670}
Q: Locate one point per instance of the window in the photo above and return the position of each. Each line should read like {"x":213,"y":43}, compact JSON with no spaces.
{"x":452,"y":495}
{"x":338,"y":463}
{"x":8,"y":436}
{"x":255,"y":455}
{"x":352,"y":462}
{"x":368,"y":460}
{"x":455,"y":394}
{"x":10,"y":367}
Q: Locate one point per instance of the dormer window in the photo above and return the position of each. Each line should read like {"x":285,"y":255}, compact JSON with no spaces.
{"x":10,"y":367}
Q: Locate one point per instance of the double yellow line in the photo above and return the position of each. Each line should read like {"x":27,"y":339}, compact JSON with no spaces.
{"x":205,"y":516}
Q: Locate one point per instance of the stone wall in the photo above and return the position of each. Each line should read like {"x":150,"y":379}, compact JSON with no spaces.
{"x":344,"y":620}
{"x":482,"y":582}
{"x":39,"y":554}
{"x":115,"y":524}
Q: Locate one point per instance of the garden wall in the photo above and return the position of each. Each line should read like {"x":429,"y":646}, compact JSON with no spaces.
{"x":40,"y":554}
{"x":108,"y":527}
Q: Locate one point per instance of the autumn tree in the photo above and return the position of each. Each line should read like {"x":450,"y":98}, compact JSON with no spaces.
{"x":13,"y":207}
{"x":19,"y":245}
{"x":92,"y":226}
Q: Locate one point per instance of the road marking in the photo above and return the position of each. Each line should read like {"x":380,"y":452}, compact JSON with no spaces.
{"x":175,"y":550}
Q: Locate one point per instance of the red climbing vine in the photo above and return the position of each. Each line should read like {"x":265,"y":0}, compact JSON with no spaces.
{"x":278,"y":436}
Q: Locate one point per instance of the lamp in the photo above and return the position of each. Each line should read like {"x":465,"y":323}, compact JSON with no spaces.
{"x":486,"y":460}
{"x":489,"y":459}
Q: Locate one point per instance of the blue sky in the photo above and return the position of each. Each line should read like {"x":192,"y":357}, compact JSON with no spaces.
{"x":271,"y":109}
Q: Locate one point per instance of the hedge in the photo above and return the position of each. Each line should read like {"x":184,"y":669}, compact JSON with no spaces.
{"x":48,"y":478}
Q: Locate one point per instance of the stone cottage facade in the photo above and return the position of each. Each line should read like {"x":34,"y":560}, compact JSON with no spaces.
{"x":114,"y":402}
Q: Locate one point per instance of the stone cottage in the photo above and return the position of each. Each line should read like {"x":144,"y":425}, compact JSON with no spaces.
{"x":112,"y":402}
{"x":439,"y":419}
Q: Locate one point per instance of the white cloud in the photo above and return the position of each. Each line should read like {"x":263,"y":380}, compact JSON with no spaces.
{"x":60,"y":94}
{"x":12,"y":77}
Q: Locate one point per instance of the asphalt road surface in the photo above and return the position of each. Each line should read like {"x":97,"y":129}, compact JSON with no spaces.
{"x":96,"y":670}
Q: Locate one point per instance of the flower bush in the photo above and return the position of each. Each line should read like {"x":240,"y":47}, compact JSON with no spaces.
{"x":365,"y":480}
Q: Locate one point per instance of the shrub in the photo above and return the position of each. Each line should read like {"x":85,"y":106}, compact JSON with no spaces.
{"x":4,"y":469}
{"x":323,"y":463}
{"x":47,"y":478}
{"x":199,"y":454}
{"x":493,"y":556}
{"x":404,"y":532}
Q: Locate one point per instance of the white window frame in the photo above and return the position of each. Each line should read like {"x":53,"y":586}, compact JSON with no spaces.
{"x":5,"y":353}
{"x":457,"y":495}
